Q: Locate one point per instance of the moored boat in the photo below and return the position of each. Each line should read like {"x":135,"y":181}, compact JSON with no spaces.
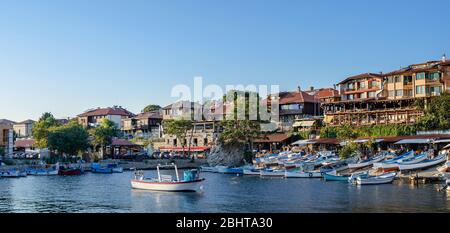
{"x":366,"y":163}
{"x":424,"y":164}
{"x":70,"y":170}
{"x":99,"y":168}
{"x":209,"y":169}
{"x":381,"y":179}
{"x":393,"y":163}
{"x":303,"y":174}
{"x":13,"y":173}
{"x":272,"y":173}
{"x":191,"y":182}
{"x":334,"y":177}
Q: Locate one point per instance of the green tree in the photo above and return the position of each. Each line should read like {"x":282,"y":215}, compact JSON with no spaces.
{"x":239,"y":131}
{"x":437,"y":114}
{"x":41,"y":129}
{"x":103,"y":134}
{"x":151,"y":108}
{"x":348,"y":150}
{"x":68,"y":139}
{"x":179,"y":128}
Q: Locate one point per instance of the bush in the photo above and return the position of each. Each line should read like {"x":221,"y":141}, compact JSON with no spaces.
{"x":348,"y":150}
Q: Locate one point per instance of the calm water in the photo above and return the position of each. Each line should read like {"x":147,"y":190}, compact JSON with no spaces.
{"x":222,"y":193}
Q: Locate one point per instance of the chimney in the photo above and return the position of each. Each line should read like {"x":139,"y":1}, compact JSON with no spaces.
{"x":444,"y":58}
{"x":311,"y":88}
{"x":299,"y":89}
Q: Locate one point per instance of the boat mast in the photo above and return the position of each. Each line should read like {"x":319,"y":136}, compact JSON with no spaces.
{"x":176,"y":172}
{"x":159,"y":175}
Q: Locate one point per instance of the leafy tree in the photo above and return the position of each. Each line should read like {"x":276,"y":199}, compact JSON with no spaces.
{"x":41,"y":129}
{"x":68,"y":139}
{"x":348,"y":150}
{"x":179,"y":128}
{"x":151,"y":107}
{"x":103,"y":134}
{"x":437,"y":114}
{"x":239,"y":131}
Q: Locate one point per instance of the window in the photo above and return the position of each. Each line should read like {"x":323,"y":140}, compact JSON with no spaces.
{"x":371,"y":94}
{"x":205,"y":141}
{"x":350,"y":97}
{"x":398,"y":79}
{"x":363,"y":95}
{"x":362,"y":85}
{"x":434,"y":90}
{"x":390,"y":79}
{"x":433,"y":76}
{"x":407,"y":79}
{"x":407,"y":92}
{"x":420,"y":75}
{"x":391,"y":93}
{"x":290,"y":107}
{"x":399,"y":93}
{"x":420,"y":89}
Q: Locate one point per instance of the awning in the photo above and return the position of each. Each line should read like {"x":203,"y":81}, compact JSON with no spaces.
{"x":415,"y":141}
{"x":447,"y":146}
{"x":303,"y":124}
{"x":366,"y":140}
{"x":301,"y":143}
{"x":442,"y":141}
{"x":178,"y":149}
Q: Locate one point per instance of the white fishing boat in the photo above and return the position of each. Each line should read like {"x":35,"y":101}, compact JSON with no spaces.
{"x":302,"y":174}
{"x":366,"y":163}
{"x":424,"y":164}
{"x":352,"y":178}
{"x":381,"y":179}
{"x":393,"y":163}
{"x":191,"y":182}
{"x":272,"y":173}
{"x":13,"y":173}
{"x":209,"y":169}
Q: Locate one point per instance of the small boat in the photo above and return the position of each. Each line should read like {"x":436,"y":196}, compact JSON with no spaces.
{"x":393,"y":163}
{"x":43,"y":170}
{"x":70,"y":170}
{"x":381,"y":179}
{"x":334,"y":177}
{"x":100,"y":168}
{"x":116,"y":168}
{"x":272,"y":173}
{"x":366,"y":163}
{"x":352,"y":178}
{"x":209,"y":169}
{"x":424,"y":164}
{"x":302,"y":174}
{"x":252,"y":171}
{"x":13,"y":173}
{"x":191,"y":182}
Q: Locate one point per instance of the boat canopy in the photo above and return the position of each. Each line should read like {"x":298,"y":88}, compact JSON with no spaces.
{"x":447,"y":146}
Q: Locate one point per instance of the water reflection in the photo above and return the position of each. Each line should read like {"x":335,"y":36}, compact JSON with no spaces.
{"x":222,"y":193}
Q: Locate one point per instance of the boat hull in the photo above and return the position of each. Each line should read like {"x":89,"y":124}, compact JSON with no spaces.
{"x":251,"y":172}
{"x":386,"y":179}
{"x":365,"y":164}
{"x":330,"y":177}
{"x":303,"y":175}
{"x":182,"y":186}
{"x":272,"y":173}
{"x":423,"y":164}
{"x":71,"y":172}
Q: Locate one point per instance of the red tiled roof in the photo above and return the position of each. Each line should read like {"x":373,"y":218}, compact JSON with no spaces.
{"x":24,"y":143}
{"x":296,"y":97}
{"x":106,"y":111}
{"x":326,"y":92}
{"x":361,"y":76}
{"x":276,"y":137}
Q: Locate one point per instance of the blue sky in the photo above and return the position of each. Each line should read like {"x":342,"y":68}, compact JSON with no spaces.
{"x":68,"y":56}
